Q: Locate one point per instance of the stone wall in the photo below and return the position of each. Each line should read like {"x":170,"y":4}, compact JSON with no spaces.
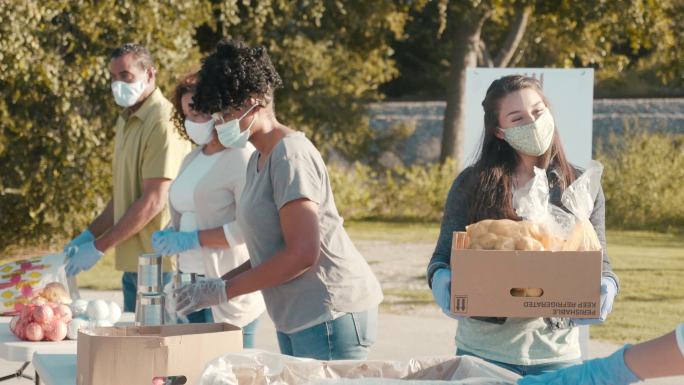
{"x":610,"y":115}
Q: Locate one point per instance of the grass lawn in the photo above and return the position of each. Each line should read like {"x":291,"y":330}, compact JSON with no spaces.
{"x":651,"y":271}
{"x":650,"y":267}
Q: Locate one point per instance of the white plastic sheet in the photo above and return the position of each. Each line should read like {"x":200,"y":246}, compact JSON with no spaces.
{"x":532,"y":203}
{"x":256,"y":367}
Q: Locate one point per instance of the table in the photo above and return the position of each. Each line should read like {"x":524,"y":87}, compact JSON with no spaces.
{"x":14,"y":349}
{"x":55,"y":369}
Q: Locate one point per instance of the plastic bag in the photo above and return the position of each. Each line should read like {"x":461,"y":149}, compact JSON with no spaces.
{"x":19,"y":280}
{"x":171,"y":316}
{"x":574,"y":227}
{"x":256,"y":367}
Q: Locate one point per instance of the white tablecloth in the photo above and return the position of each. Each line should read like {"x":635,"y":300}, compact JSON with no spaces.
{"x":14,"y":349}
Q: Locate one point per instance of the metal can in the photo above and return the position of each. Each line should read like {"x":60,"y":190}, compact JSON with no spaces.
{"x":149,"y":310}
{"x":149,"y":274}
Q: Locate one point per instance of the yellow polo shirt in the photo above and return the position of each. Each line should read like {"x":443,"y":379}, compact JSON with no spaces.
{"x":147,"y":145}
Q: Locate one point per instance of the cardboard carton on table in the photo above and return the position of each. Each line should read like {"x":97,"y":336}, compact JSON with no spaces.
{"x":136,"y":355}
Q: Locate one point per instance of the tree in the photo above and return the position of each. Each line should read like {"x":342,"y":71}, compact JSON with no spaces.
{"x":616,"y":38}
{"x":332,"y":56}
{"x":56,"y":105}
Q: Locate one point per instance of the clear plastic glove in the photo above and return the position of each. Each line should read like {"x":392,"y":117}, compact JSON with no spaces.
{"x":608,"y":293}
{"x":610,"y":370}
{"x":85,"y":237}
{"x":82,"y":257}
{"x":441,"y":291}
{"x":171,"y":242}
{"x":200,"y":295}
{"x":170,"y":305}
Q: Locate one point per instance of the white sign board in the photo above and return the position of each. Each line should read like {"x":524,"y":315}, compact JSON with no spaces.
{"x":569,"y":91}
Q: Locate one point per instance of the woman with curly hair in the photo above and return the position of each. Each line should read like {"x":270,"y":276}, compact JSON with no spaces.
{"x":319,"y":290}
{"x":203,"y":200}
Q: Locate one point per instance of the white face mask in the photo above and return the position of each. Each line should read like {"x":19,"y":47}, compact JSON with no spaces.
{"x":127,"y":94}
{"x":533,"y":138}
{"x":200,"y":133}
{"x":229,"y":132}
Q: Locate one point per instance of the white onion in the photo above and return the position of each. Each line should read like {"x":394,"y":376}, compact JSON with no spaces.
{"x":114,"y":312}
{"x":74,"y":326}
{"x":98,"y":310}
{"x":79,"y":308}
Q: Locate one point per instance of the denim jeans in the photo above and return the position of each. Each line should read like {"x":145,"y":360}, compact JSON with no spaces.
{"x":348,"y":337}
{"x":202,"y":316}
{"x":248,"y":333}
{"x":524,"y":370}
{"x":129,"y":285}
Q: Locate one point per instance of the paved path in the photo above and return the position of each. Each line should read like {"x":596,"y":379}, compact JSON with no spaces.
{"x":400,"y":337}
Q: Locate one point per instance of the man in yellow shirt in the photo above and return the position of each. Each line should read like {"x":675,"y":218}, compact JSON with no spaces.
{"x":147,"y":154}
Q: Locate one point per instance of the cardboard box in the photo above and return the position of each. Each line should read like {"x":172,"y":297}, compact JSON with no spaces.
{"x":135,"y":355}
{"x":484,"y":283}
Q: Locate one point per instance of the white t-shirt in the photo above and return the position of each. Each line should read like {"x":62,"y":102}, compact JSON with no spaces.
{"x":181,"y":196}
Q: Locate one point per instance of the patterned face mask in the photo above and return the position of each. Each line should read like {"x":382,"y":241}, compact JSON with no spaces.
{"x":533,"y":138}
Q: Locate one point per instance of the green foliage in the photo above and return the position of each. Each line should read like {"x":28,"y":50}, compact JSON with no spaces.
{"x":56,"y":106}
{"x":408,"y":193}
{"x":642,"y":180}
{"x":332,"y":56}
{"x":622,"y":40}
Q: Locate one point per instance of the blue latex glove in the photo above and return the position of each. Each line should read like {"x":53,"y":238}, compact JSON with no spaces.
{"x":441,"y":291}
{"x":610,"y":370}
{"x":173,"y":242}
{"x":82,"y":257}
{"x":608,"y":293}
{"x":85,"y":237}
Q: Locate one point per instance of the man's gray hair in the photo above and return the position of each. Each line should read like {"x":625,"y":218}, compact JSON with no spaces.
{"x":145,"y":59}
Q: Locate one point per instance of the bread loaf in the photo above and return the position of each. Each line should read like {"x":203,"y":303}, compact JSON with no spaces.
{"x":582,"y":237}
{"x":506,"y":234}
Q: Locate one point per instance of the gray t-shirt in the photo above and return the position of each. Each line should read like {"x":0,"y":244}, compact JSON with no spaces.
{"x":341,"y":280}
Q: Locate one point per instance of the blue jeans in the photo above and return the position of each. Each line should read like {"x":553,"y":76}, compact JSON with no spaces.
{"x":248,"y":332}
{"x":524,"y":370}
{"x":202,"y":316}
{"x":348,"y":337}
{"x":129,"y":286}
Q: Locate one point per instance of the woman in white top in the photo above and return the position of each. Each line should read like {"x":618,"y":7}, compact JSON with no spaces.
{"x":203,"y":201}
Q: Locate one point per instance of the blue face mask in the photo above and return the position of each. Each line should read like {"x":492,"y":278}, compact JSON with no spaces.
{"x":229,"y":134}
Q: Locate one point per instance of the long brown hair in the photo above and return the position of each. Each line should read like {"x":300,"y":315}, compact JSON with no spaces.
{"x":187,"y":83}
{"x":492,"y":179}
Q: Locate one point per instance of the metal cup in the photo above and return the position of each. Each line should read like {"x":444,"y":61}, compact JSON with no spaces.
{"x":150,"y":274}
{"x":149,"y":310}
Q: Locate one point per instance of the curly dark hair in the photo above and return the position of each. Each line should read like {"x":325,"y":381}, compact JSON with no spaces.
{"x":187,"y":83}
{"x":232,"y":73}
